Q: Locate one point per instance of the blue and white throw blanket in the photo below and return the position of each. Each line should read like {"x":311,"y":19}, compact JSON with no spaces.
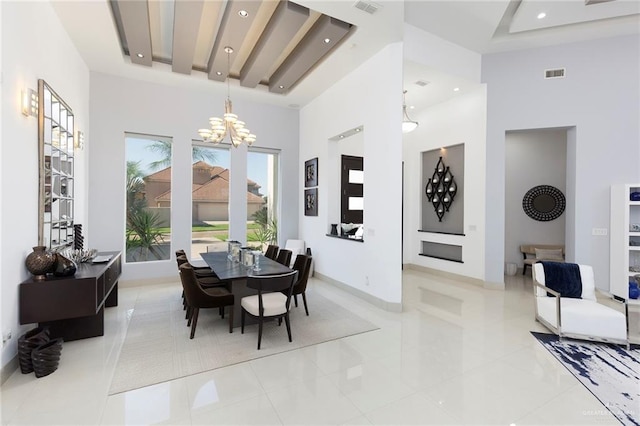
{"x":563,"y":278}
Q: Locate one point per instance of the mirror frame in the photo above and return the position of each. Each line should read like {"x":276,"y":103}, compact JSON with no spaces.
{"x":56,"y":133}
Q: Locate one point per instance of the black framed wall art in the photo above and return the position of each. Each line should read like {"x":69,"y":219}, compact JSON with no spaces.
{"x":311,"y":202}
{"x":311,"y":173}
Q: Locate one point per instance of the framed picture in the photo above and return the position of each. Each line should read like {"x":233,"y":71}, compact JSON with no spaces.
{"x":311,"y":173}
{"x":311,"y":202}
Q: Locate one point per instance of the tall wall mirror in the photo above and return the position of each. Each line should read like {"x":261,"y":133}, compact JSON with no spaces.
{"x":55,"y":151}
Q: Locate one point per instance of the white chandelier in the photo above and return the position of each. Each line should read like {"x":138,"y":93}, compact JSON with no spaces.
{"x":408,"y":125}
{"x":229,"y":123}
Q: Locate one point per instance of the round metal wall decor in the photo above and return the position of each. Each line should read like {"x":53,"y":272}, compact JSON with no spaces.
{"x":543,"y":203}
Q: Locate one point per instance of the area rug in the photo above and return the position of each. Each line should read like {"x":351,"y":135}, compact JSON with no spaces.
{"x":157,"y":347}
{"x":610,"y":372}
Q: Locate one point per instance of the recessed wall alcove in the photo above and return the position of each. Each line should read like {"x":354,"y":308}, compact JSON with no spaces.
{"x":442,"y":201}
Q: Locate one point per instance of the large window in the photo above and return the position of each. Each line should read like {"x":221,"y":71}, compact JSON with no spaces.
{"x":148,"y":189}
{"x":210,"y":199}
{"x":262,"y":197}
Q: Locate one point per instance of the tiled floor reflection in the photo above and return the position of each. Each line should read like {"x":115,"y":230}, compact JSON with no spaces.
{"x":458,"y":354}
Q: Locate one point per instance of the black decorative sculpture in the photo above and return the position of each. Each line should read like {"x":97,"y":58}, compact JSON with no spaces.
{"x":441,"y":189}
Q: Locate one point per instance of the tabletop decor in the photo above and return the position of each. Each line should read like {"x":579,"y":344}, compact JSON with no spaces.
{"x":64,"y":267}
{"x":80,"y":256}
{"x":39,"y":262}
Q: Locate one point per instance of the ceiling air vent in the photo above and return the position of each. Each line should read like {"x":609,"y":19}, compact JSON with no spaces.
{"x":421,"y":83}
{"x":367,"y":6}
{"x":555,"y":73}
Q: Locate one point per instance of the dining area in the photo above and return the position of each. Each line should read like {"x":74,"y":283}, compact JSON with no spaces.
{"x":248,"y":286}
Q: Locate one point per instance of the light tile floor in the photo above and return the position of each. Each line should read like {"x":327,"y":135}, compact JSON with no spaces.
{"x":458,"y":354}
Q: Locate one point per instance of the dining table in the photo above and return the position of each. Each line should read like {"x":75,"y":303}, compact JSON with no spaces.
{"x":231,"y":270}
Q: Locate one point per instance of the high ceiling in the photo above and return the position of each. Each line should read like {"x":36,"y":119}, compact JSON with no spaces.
{"x":483,"y":26}
{"x":270,"y":43}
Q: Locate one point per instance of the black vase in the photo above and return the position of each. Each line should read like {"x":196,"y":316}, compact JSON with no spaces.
{"x":27,"y":343}
{"x":64,"y":266}
{"x":334,"y":229}
{"x":39,"y":262}
{"x":46,"y":357}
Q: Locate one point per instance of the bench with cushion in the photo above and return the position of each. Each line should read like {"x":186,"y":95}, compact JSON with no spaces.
{"x":535,"y":252}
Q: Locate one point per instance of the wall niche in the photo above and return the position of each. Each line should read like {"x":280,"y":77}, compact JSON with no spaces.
{"x":443,"y":212}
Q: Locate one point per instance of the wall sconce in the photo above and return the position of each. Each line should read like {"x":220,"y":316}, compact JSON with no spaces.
{"x":29,"y":102}
{"x":79,"y":140}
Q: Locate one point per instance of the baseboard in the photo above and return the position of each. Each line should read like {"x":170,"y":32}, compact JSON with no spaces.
{"x":475,"y":281}
{"x":148,"y":281}
{"x":9,"y":369}
{"x":375,"y":301}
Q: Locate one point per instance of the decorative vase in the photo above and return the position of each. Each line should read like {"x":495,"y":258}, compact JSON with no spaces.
{"x":64,"y":266}
{"x":27,"y":343}
{"x":39,"y":262}
{"x":634,"y":291}
{"x":334,"y":229}
{"x":46,"y":357}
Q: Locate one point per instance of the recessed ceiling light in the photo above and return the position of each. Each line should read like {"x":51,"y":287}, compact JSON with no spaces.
{"x":456,"y":89}
{"x":281,"y":86}
{"x":243,"y":13}
{"x":412,"y":107}
{"x":358,"y":129}
{"x":541,"y":15}
{"x":218,"y":73}
{"x":341,"y":136}
{"x":140,"y":55}
{"x":327,"y":40}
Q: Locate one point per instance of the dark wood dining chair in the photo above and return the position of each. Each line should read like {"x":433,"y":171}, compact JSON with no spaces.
{"x":284,"y":257}
{"x":303,"y":266}
{"x":271,"y":252}
{"x":270,"y":302}
{"x":206,"y":280}
{"x":201,"y":271}
{"x":198,"y":298}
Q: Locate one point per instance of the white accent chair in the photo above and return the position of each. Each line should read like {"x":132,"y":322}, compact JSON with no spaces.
{"x":583,"y":318}
{"x":297,"y":247}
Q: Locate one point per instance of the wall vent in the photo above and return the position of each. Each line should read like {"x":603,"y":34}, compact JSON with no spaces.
{"x":554,"y":73}
{"x":367,"y":6}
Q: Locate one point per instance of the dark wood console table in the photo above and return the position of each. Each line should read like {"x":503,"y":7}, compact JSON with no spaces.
{"x":73,"y":307}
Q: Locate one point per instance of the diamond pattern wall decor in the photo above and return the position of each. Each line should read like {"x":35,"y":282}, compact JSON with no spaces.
{"x":441,"y":189}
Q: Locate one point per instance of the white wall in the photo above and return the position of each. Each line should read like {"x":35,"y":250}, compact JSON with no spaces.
{"x":370,"y":96}
{"x":430,"y":50}
{"x":34,"y":45}
{"x":600,"y":97}
{"x":532,"y":158}
{"x":121,"y":105}
{"x":460,"y":120}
